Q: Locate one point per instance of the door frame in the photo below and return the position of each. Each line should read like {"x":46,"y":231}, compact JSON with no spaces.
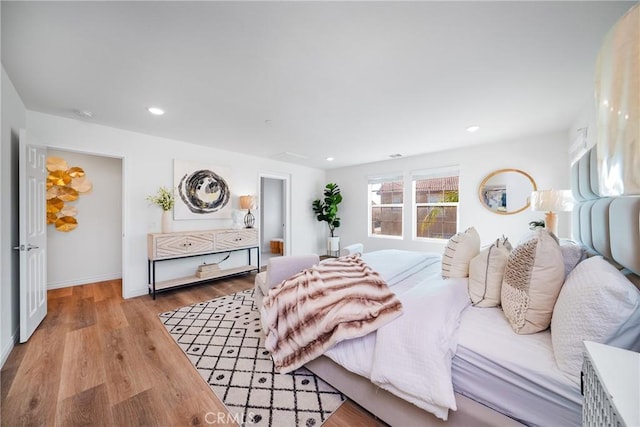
{"x":124,"y":203}
{"x":286,"y":178}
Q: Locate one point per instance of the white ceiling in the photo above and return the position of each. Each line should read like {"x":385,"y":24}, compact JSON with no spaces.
{"x":301,"y":81}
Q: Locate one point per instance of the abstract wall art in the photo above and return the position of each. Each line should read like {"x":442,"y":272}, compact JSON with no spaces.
{"x":203,"y":191}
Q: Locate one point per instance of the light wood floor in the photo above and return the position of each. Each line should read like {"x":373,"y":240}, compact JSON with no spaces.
{"x":100,"y":360}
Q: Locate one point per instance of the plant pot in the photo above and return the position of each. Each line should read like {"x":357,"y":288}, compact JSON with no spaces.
{"x":166,"y":224}
{"x":333,"y":246}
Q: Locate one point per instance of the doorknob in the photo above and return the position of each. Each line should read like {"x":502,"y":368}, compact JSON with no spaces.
{"x":27,"y":248}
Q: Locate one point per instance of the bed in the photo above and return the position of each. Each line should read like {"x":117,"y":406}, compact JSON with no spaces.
{"x":498,"y":377}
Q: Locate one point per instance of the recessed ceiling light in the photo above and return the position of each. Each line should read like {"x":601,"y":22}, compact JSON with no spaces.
{"x":473,"y":128}
{"x":155,"y":111}
{"x":330,"y":159}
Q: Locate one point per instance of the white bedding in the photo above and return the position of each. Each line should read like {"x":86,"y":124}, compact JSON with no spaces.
{"x":514,"y":374}
{"x":418,"y":369}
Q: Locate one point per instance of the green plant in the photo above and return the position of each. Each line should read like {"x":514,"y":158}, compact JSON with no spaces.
{"x":327,"y":209}
{"x":164,"y":198}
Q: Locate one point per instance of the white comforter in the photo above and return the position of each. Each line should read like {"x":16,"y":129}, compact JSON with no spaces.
{"x":411,"y":356}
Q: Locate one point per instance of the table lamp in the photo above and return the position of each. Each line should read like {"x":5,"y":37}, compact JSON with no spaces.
{"x":552,"y":201}
{"x":248,"y":203}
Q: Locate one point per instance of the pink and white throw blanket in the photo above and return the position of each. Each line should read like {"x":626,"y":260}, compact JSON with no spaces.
{"x":323,"y":305}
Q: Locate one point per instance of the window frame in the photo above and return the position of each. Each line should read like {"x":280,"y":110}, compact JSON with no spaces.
{"x":415,"y":205}
{"x":373,"y":180}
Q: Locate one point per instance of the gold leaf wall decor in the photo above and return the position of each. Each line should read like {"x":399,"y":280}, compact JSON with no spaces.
{"x":64,"y":185}
{"x":82,"y":184}
{"x":75,"y":172}
{"x":67,"y":194}
{"x":54,"y":205}
{"x":59,"y":178}
{"x":66,"y":223}
{"x":56,"y":164}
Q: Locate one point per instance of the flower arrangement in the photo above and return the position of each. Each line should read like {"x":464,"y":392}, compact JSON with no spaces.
{"x":165,"y":199}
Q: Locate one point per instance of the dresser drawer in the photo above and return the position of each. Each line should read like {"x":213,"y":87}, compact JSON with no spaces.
{"x":236,"y":239}
{"x":170,"y":245}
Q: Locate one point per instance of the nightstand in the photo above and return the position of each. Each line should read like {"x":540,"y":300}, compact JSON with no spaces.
{"x":610,"y":385}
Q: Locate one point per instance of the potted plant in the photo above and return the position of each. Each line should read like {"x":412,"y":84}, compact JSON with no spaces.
{"x":164,"y":199}
{"x":327,"y":210}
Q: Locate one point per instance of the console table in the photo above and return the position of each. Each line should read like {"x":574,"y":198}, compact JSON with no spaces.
{"x":171,"y":246}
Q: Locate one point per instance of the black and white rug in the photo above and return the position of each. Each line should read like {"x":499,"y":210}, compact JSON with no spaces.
{"x":223,"y":339}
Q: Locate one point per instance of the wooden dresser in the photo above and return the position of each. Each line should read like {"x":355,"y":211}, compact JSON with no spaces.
{"x":171,"y":246}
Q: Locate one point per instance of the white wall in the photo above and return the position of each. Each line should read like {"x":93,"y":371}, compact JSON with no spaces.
{"x":543,"y":157}
{"x":13,"y":119}
{"x":70,"y":261}
{"x":148,"y":164}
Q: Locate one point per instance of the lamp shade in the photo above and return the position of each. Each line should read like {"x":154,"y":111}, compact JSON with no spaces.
{"x":552,"y":200}
{"x":246,"y":202}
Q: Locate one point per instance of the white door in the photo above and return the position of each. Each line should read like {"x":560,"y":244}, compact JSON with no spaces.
{"x":33,"y":236}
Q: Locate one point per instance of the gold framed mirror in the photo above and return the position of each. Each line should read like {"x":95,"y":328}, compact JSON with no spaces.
{"x":506,"y":191}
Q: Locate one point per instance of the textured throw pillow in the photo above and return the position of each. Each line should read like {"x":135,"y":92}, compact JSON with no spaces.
{"x":572,"y":254}
{"x":532,"y":281}
{"x":597,"y":303}
{"x":486,"y":271}
{"x":460,"y":249}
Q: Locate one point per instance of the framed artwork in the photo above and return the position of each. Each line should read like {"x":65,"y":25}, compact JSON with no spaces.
{"x":202,"y":191}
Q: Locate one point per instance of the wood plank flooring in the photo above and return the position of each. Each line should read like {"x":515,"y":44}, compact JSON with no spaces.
{"x":100,"y":360}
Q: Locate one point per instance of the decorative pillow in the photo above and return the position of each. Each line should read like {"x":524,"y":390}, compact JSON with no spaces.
{"x":458,"y":252}
{"x":597,"y":303}
{"x":532,"y":281}
{"x":572,"y":254}
{"x":486,"y":271}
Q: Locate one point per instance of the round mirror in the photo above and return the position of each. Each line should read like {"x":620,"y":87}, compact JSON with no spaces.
{"x":506,"y":191}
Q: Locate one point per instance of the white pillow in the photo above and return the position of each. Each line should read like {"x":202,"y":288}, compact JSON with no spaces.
{"x":597,"y":303}
{"x":460,"y":249}
{"x":572,"y":254}
{"x":486,"y":271}
{"x":532,"y":281}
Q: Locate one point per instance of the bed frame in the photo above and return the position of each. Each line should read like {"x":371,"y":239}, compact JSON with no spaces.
{"x":397,"y":412}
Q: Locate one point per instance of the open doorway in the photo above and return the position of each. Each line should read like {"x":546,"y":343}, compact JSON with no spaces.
{"x":92,"y":251}
{"x":274,"y":216}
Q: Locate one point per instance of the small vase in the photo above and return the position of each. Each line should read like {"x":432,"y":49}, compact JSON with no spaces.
{"x":333,"y":246}
{"x":166,"y":224}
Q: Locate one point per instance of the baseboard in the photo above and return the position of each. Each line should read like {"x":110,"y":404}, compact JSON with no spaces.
{"x":132,"y":293}
{"x":83,"y":281}
{"x":6,"y":350}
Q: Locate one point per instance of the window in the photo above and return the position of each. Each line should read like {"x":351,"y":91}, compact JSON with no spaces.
{"x":386,"y":204}
{"x":436,"y":198}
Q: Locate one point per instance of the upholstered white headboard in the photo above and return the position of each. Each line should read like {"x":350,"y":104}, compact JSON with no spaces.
{"x":609,"y":226}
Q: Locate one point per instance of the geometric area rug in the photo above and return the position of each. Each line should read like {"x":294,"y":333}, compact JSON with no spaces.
{"x":223,"y":339}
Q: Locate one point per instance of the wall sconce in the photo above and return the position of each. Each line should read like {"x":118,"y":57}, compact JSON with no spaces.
{"x":248,"y":203}
{"x":552,"y":201}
